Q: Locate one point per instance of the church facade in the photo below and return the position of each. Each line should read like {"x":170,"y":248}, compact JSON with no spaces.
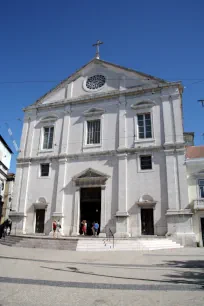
{"x":105,"y":145}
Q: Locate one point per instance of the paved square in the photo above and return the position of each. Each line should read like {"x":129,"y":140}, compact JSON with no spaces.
{"x":52,"y":277}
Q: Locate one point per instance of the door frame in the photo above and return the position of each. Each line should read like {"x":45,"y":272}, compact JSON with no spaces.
{"x":91,"y":187}
{"x":34,"y":230}
{"x":140,"y":219}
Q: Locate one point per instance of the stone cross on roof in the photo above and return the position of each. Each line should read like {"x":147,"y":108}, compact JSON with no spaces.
{"x":97,"y":44}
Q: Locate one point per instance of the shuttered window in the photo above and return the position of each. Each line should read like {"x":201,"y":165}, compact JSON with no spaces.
{"x":93,"y":131}
{"x":48,"y":137}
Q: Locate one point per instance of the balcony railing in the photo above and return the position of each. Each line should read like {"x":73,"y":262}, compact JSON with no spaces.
{"x":199,"y":204}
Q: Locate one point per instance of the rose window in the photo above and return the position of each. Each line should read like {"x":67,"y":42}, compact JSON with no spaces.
{"x":95,"y":82}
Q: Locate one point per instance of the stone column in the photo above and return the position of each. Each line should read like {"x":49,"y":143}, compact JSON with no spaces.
{"x":103,"y":212}
{"x":76,"y":208}
{"x":168,"y":120}
{"x":65,"y":130}
{"x":122,"y":123}
{"x":59,"y":208}
{"x":122,"y":213}
{"x":179,"y":219}
{"x":177,"y":115}
{"x":172,"y":180}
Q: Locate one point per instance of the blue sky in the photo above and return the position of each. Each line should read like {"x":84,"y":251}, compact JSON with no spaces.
{"x":49,"y":40}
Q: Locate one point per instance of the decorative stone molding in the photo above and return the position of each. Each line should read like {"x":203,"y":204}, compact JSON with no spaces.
{"x":57,"y":215}
{"x":169,"y":152}
{"x":143,"y":104}
{"x":50,"y":118}
{"x":99,"y":96}
{"x":179,"y":212}
{"x":90,"y":177}
{"x":124,"y":214}
{"x":174,"y":96}
{"x":16,"y":214}
{"x":94,"y":112}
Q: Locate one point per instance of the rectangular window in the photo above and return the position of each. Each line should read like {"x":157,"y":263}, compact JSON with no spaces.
{"x":146,"y":162}
{"x":44,"y":169}
{"x":48,"y":137}
{"x":144,"y":126}
{"x":201,"y":188}
{"x":93,"y":131}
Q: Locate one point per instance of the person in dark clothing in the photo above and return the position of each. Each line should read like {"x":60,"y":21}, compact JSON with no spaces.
{"x":7,"y":224}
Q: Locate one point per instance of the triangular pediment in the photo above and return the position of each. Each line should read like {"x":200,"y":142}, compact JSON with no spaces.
{"x":110,"y":76}
{"x":90,"y":173}
{"x":90,"y":177}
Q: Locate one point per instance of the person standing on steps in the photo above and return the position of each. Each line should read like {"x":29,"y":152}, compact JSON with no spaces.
{"x":84,"y":227}
{"x":58,"y":228}
{"x":93,"y":230}
{"x":54,"y":227}
{"x":96,"y":227}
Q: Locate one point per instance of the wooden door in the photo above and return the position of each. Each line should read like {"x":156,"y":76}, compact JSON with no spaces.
{"x":147,"y":221}
{"x":40,"y":221}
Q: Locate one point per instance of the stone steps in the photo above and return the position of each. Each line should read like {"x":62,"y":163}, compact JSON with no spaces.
{"x":38,"y":242}
{"x":91,"y":244}
{"x":126,"y":245}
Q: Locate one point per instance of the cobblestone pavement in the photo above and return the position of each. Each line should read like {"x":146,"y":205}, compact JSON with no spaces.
{"x":49,"y":277}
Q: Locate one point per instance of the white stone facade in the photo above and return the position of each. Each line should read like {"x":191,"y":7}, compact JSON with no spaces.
{"x":114,"y":162}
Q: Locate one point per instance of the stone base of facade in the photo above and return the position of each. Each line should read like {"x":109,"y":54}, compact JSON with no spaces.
{"x":122,"y":235}
{"x":180,"y":227}
{"x":102,"y":235}
{"x":18,"y":222}
{"x":185,"y":239}
{"x":122,"y":225}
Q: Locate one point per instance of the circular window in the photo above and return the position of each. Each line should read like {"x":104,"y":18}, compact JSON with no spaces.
{"x":95,"y":82}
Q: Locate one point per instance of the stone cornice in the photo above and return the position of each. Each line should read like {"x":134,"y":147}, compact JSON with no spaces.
{"x":106,"y":95}
{"x":119,"y":152}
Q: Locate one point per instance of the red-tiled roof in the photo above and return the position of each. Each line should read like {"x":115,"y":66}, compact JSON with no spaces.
{"x":195,"y":152}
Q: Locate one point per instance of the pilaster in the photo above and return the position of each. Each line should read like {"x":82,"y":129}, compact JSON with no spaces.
{"x":103,"y":212}
{"x":122,"y":122}
{"x":172,"y":180}
{"x":65,"y":131}
{"x":59,"y":208}
{"x":122,"y":213}
{"x":76,"y":208}
{"x":168,"y":120}
{"x":178,"y":118}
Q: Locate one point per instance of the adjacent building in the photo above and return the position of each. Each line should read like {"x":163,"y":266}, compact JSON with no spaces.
{"x":8,"y":196}
{"x":5,"y":159}
{"x":195,"y":176}
{"x":105,"y":145}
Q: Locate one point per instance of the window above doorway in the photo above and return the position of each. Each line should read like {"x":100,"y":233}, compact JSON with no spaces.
{"x":44,"y":170}
{"x":146,"y":162}
{"x":93,"y":123}
{"x":93,"y":132}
